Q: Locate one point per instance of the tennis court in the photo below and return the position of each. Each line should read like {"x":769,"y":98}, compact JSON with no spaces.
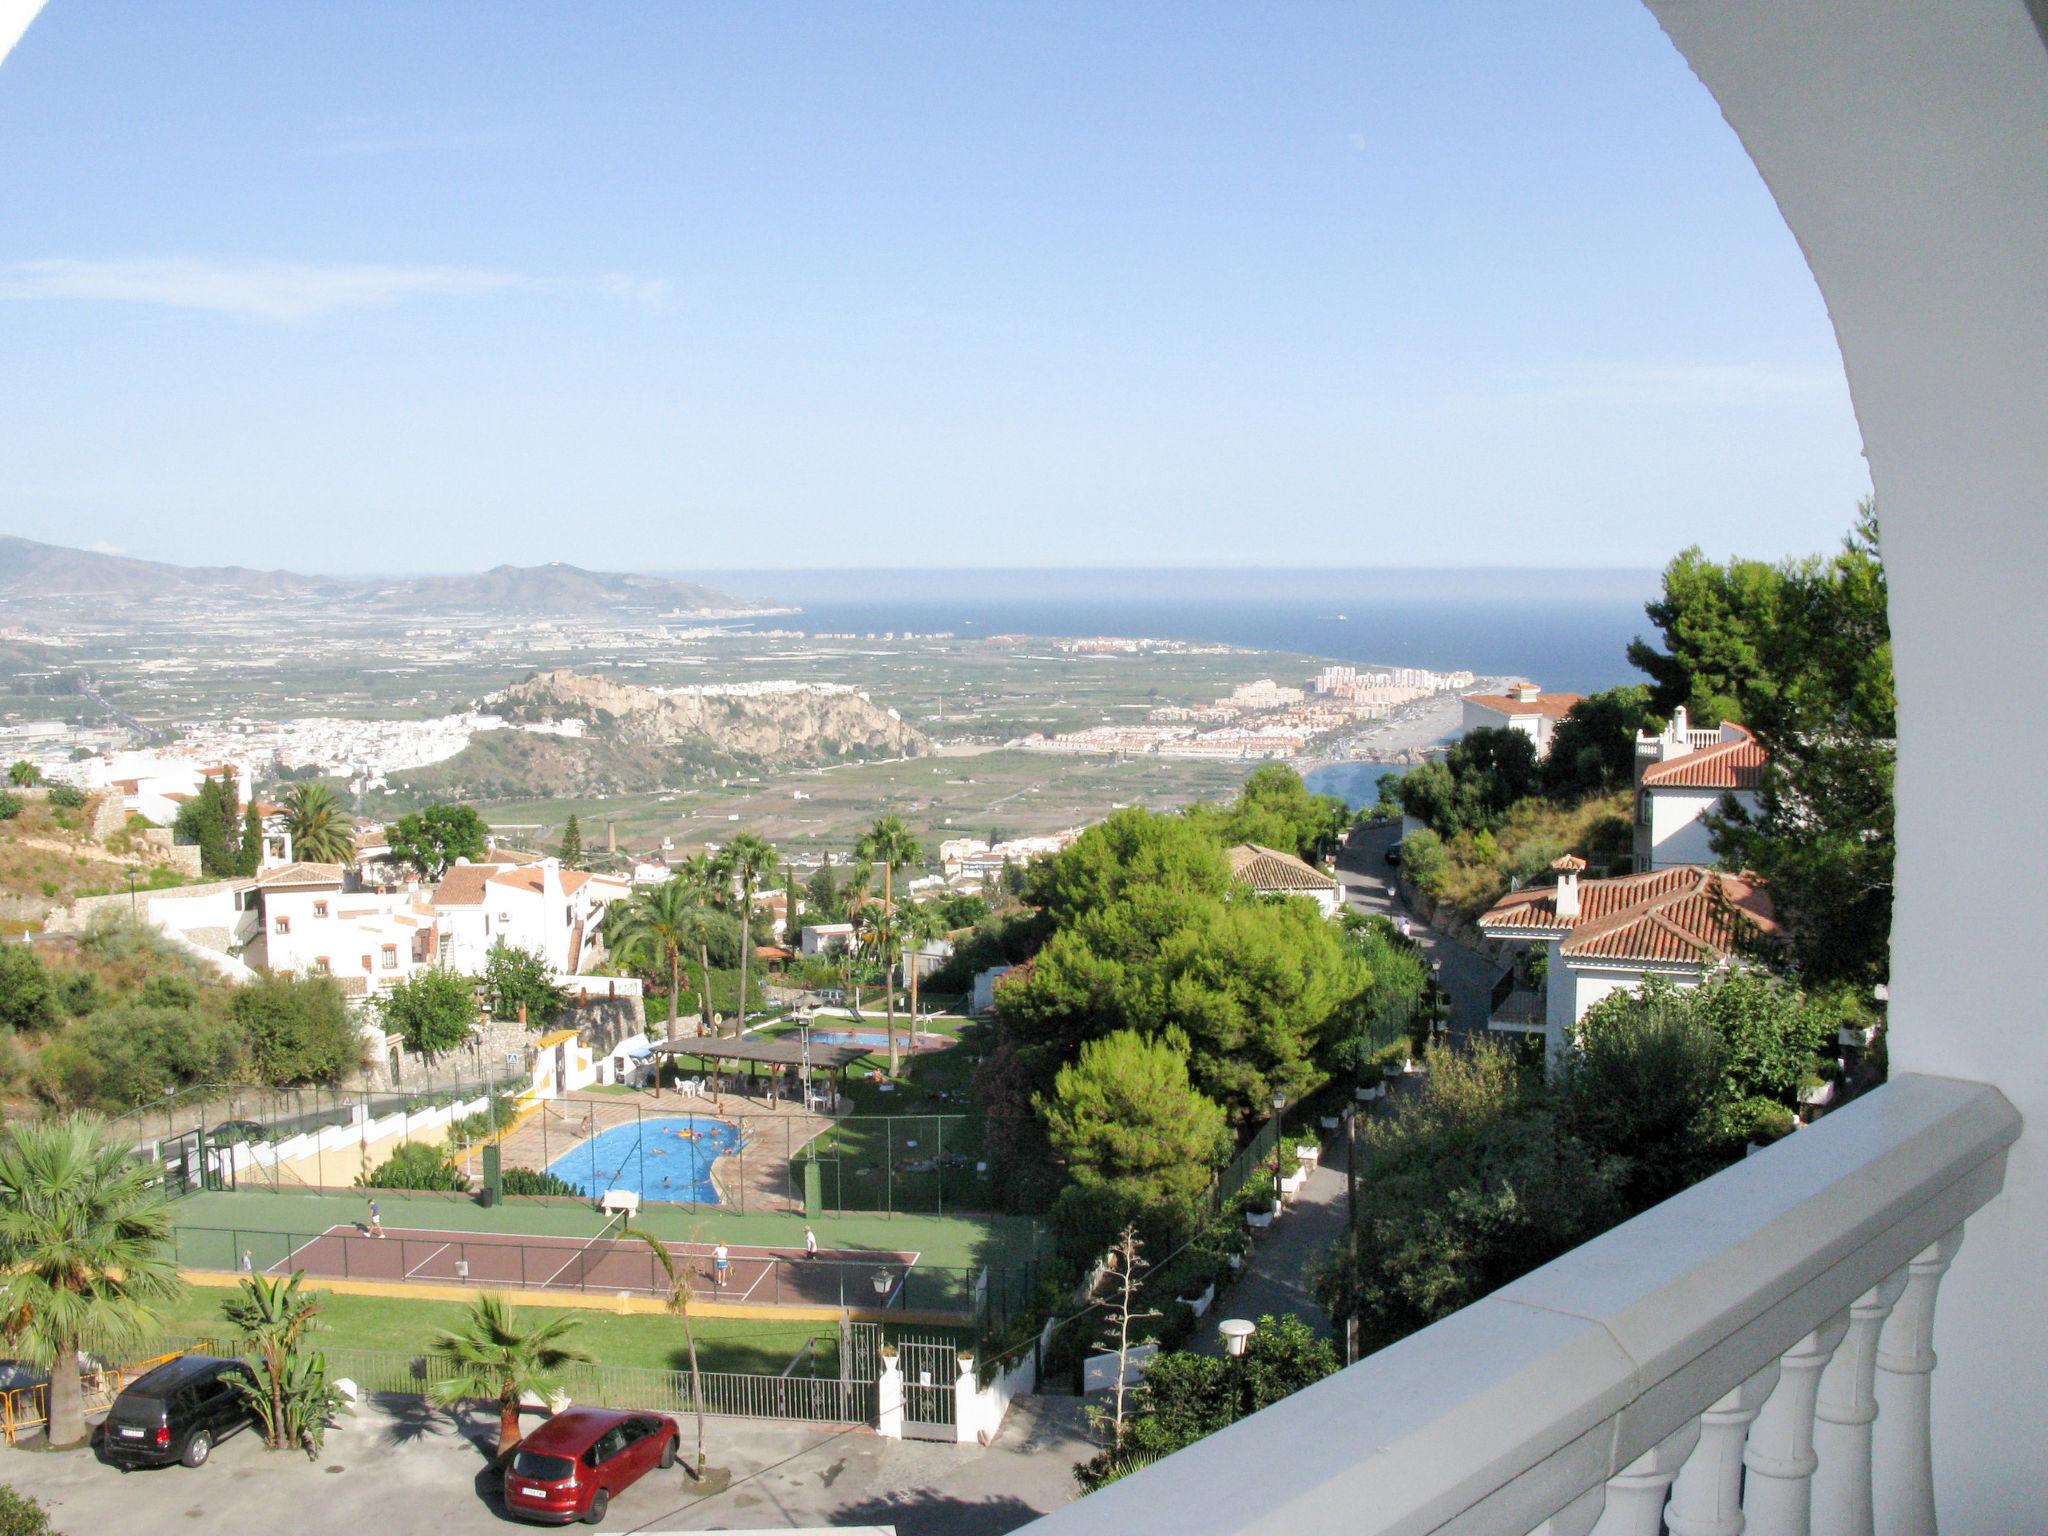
{"x":861,"y":1278}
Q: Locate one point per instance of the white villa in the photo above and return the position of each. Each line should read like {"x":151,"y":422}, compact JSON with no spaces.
{"x":1524,"y":707}
{"x":1273,"y":873}
{"x":1681,"y":775}
{"x":531,"y":904}
{"x":155,"y":784}
{"x":1604,"y":936}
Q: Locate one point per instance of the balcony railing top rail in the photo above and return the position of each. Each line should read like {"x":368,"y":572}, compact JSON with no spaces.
{"x":1590,"y":1382}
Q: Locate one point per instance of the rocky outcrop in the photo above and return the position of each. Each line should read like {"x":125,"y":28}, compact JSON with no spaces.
{"x":771,"y":722}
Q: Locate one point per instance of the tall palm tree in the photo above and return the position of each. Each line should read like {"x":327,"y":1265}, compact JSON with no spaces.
{"x":493,"y":1359}
{"x":917,"y":923}
{"x":85,"y":1245}
{"x":889,"y":843}
{"x":878,"y":938}
{"x":677,"y":1301}
{"x":320,"y":829}
{"x":745,"y":862}
{"x":655,"y":926}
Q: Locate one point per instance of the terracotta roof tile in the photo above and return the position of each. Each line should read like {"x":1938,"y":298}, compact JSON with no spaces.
{"x":1671,"y":916}
{"x":1268,"y":869}
{"x":525,"y":878}
{"x":1731,"y":765}
{"x":1555,"y":705}
{"x":300,"y":874}
{"x":462,"y":886}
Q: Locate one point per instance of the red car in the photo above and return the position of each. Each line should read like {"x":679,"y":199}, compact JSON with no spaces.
{"x":571,"y":1467}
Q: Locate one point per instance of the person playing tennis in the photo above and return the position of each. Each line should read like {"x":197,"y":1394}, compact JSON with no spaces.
{"x":721,"y":1264}
{"x":810,"y":1243}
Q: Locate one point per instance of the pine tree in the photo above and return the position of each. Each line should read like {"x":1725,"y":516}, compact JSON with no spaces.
{"x":572,"y":844}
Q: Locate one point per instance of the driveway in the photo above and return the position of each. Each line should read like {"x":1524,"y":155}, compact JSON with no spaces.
{"x":1467,"y":976}
{"x":398,"y":1466}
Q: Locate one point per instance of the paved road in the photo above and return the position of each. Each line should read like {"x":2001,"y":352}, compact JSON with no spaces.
{"x":1275,"y":1281}
{"x":1466,"y":975}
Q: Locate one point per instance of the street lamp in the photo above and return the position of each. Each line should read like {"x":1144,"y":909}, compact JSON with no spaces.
{"x":1279,"y":1129}
{"x":1237,"y":1333}
{"x":883,"y":1280}
{"x":131,"y":893}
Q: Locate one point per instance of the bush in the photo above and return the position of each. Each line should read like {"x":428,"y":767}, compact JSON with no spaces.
{"x":298,"y":1031}
{"x":27,"y":1000}
{"x":528,"y":1181}
{"x":21,"y":1515}
{"x":79,"y":993}
{"x":67,"y":797}
{"x":416,"y":1165}
{"x":10,"y":805}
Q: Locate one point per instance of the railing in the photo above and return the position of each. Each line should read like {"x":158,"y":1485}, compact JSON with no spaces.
{"x":28,"y":1407}
{"x":1520,"y":1008}
{"x":1257,"y":1154}
{"x":1753,"y":1356}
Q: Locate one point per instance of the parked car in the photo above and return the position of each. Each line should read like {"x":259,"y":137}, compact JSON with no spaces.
{"x":578,"y":1461}
{"x":229,"y":1132}
{"x":178,"y":1412}
{"x":1393,"y":853}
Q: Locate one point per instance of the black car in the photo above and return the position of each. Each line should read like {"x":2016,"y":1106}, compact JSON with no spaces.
{"x":177,"y":1412}
{"x":1393,"y":853}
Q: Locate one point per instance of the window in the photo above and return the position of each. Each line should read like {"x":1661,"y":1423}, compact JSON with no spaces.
{"x":319,"y":909}
{"x":282,"y":925}
{"x":390,"y":957}
{"x":320,"y":966}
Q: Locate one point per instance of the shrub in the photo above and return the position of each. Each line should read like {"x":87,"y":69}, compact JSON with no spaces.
{"x":21,"y":1515}
{"x":528,"y":1181}
{"x":10,"y":805}
{"x":27,"y":1000}
{"x":416,"y":1165}
{"x":67,"y":797}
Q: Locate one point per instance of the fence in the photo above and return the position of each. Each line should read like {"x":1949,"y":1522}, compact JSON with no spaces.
{"x":881,"y":1281}
{"x":822,"y":1399}
{"x":1257,"y":1154}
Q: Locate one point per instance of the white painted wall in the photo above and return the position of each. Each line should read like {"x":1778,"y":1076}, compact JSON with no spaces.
{"x":1906,"y":142}
{"x":1677,"y":823}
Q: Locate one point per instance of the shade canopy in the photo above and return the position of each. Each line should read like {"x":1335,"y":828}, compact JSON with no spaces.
{"x":780,"y":1051}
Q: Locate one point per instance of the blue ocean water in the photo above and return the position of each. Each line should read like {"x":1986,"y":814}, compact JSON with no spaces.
{"x":659,"y":1159}
{"x":1356,"y":784}
{"x":1565,"y":629}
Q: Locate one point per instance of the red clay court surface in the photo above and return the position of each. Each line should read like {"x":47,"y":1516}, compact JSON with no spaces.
{"x":764,"y":1276}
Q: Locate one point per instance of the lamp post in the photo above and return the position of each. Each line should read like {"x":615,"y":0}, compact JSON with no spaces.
{"x":882,"y":1283}
{"x":1237,"y":1333}
{"x":1279,"y":1129}
{"x":131,"y":893}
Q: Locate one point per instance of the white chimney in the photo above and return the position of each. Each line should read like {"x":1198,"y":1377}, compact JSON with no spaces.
{"x":1568,"y":869}
{"x":1526,"y":693}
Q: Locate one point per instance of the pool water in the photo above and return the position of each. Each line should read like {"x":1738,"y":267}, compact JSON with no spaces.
{"x":878,"y":1039}
{"x":658,"y":1159}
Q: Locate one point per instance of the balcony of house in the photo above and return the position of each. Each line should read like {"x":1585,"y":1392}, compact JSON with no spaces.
{"x":1753,"y":1355}
{"x":1518,"y":1005}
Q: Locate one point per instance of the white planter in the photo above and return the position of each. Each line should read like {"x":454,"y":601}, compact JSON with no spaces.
{"x":1258,"y":1220}
{"x":1293,"y":1182}
{"x":1309,"y":1151}
{"x":1200,"y":1304}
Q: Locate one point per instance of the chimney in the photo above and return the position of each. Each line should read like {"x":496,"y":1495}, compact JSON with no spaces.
{"x":611,"y":837}
{"x":1526,"y":693}
{"x":1568,"y":869}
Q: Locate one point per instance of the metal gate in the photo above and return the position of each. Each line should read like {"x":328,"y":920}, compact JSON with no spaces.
{"x":930,"y":1368}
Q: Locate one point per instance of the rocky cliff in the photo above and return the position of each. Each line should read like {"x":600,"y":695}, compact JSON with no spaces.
{"x":771,"y":723}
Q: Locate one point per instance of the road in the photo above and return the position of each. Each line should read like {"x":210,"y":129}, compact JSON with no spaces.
{"x":1466,"y":976}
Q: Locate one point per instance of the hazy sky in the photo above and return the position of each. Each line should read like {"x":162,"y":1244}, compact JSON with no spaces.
{"x":667,"y":286}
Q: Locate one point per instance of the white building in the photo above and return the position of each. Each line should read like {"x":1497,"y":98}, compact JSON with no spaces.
{"x":983,"y":1000}
{"x":536,"y":905}
{"x":827,"y":938}
{"x":157,"y":784}
{"x":309,"y":923}
{"x":1273,"y":873}
{"x":1607,"y":936}
{"x":1681,"y":775}
{"x":1524,"y":707}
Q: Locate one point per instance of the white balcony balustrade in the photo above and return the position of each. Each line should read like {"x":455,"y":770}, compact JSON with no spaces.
{"x":1750,"y":1358}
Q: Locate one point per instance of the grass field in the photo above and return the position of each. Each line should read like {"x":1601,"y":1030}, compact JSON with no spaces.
{"x":375,"y":1322}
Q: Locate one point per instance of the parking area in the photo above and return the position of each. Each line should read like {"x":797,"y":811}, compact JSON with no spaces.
{"x":397,"y":1465}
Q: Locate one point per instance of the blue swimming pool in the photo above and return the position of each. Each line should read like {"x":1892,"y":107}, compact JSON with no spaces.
{"x":664,"y":1159}
{"x":878,"y":1039}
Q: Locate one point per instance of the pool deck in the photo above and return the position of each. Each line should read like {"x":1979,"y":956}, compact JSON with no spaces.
{"x":757,"y":1179}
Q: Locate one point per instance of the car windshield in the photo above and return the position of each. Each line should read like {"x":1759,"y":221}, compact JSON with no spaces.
{"x":542,"y":1469}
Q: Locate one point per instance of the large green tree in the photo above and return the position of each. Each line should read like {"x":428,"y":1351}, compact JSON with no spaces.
{"x":1593,"y":749}
{"x":1474,"y":785}
{"x":1276,"y":808}
{"x":213,"y":819}
{"x":433,"y":1010}
{"x":889,"y":843}
{"x":85,"y":1246}
{"x":320,"y":829}
{"x":432,"y":839}
{"x":297,"y":1030}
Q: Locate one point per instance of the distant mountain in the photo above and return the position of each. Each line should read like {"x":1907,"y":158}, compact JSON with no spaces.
{"x":32,"y":570}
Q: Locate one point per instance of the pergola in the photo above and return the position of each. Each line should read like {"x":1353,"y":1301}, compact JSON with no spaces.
{"x":766,"y":1050}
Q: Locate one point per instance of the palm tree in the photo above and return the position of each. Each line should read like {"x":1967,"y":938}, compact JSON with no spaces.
{"x":889,"y":843}
{"x":24,"y":774}
{"x":495,"y":1360}
{"x":917,"y":923}
{"x":677,"y":1301}
{"x":745,"y":861}
{"x":85,"y":1246}
{"x":656,"y":925}
{"x":877,"y":937}
{"x":320,"y":830}
{"x":291,"y":1396}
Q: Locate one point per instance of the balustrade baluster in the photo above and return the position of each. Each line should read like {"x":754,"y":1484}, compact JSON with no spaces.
{"x":1843,"y":1414}
{"x":1902,"y":1454}
{"x":1707,"y":1498}
{"x":1777,"y":1494}
{"x":1636,"y":1494}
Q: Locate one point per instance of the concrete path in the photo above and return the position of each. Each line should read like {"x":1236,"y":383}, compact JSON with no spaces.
{"x":1275,"y":1280}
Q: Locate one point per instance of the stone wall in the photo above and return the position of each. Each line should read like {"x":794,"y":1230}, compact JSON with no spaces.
{"x":504,"y":1047}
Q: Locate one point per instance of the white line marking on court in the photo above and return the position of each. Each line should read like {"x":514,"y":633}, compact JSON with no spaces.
{"x":281,"y":1266}
{"x":423,"y":1263}
{"x":748,"y":1293}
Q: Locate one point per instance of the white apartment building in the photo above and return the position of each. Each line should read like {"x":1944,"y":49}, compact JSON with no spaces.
{"x":156,"y":784}
{"x":1524,"y":707}
{"x":537,"y":906}
{"x":1681,"y":775}
{"x":309,"y":923}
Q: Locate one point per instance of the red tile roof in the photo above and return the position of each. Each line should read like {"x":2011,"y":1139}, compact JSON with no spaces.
{"x":1672,"y":916}
{"x":1735,"y":764}
{"x":525,"y":878}
{"x":1555,"y":705}
{"x":1268,"y":869}
{"x":462,"y":886}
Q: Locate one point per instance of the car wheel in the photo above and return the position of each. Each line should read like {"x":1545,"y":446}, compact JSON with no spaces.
{"x":600,"y":1501}
{"x":668,"y":1453}
{"x":197,"y":1449}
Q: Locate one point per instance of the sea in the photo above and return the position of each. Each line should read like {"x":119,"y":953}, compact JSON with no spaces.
{"x":1565,"y":628}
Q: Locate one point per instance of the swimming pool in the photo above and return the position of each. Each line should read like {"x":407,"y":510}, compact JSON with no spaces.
{"x":878,"y":1039}
{"x":658,"y":1159}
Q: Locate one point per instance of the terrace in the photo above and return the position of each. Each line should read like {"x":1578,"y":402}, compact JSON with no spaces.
{"x":1760,"y":1353}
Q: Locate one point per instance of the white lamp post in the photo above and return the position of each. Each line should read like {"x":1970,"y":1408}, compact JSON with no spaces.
{"x":1237,"y":1333}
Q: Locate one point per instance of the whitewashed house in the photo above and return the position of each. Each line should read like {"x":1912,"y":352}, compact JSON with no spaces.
{"x":1606,"y":936}
{"x":827,"y":938}
{"x":313,"y":920}
{"x":1524,"y":707}
{"x":1273,"y":873}
{"x":534,"y":905}
{"x":1681,"y":775}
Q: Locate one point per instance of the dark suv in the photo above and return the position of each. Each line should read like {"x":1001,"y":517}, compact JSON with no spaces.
{"x":177,"y":1412}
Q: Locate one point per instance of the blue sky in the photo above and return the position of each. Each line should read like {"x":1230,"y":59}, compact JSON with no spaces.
{"x":659,"y":286}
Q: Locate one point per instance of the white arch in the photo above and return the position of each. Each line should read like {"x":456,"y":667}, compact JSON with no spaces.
{"x":1906,"y":142}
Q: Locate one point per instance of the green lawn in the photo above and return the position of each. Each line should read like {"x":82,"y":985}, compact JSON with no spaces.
{"x":376,"y":1322}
